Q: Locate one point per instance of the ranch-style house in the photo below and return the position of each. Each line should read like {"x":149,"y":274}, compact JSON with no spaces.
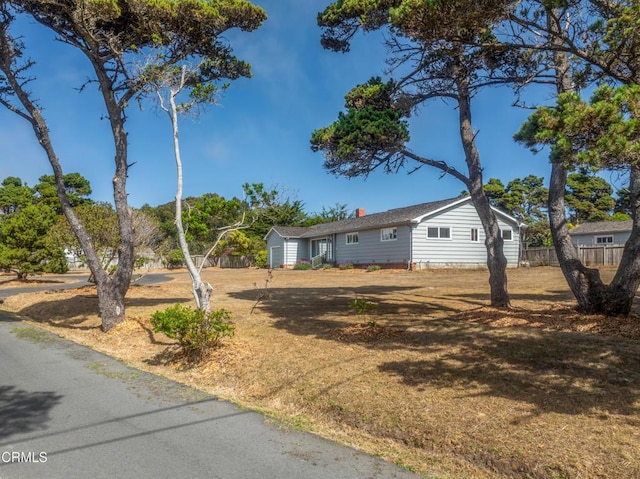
{"x":445,"y":233}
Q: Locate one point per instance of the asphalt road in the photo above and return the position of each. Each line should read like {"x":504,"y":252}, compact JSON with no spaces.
{"x":69,"y":412}
{"x":68,"y":281}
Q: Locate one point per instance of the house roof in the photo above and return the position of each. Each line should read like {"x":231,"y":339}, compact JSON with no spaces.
{"x":602,"y":227}
{"x":290,"y":231}
{"x":397,"y":216}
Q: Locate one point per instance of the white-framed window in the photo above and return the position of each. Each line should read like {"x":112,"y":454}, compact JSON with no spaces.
{"x":604,"y":239}
{"x":507,"y":234}
{"x":388,"y":234}
{"x":475,"y":236}
{"x":438,"y":232}
{"x":352,"y":238}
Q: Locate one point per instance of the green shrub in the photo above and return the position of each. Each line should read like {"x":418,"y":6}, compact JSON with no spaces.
{"x":373,"y":267}
{"x":346,"y":266}
{"x":261,"y":259}
{"x":174,"y":259}
{"x":195,"y":330}
{"x":303,"y":266}
{"x":362,"y":306}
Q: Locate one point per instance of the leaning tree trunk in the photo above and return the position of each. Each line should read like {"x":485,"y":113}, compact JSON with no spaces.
{"x":623,"y":288}
{"x":112,"y":289}
{"x":201,"y":291}
{"x":592,"y":295}
{"x":585,"y":283}
{"x":110,"y":293}
{"x":496,"y":260}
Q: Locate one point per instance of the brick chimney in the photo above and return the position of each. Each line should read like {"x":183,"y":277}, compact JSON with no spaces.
{"x":360,"y":212}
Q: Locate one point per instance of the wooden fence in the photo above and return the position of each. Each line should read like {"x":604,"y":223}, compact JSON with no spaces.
{"x":590,"y":255}
{"x":226,"y":261}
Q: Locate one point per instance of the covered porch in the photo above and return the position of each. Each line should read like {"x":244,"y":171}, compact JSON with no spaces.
{"x":322,"y":250}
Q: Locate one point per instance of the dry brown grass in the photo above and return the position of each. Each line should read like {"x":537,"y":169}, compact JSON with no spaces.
{"x":433,"y":379}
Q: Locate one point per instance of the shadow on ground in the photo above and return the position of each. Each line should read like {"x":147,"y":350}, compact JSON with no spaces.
{"x":561,"y":372}
{"x":67,"y":310}
{"x":23,"y":411}
{"x":545,"y":358}
{"x":318,"y":303}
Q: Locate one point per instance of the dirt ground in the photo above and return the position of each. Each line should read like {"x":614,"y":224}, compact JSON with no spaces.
{"x":432,"y":379}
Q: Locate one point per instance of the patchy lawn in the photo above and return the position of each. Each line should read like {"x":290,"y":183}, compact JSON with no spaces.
{"x":430,"y":379}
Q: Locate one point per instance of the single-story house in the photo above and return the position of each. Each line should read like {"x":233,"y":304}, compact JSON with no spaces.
{"x":601,"y":233}
{"x":437,"y":234}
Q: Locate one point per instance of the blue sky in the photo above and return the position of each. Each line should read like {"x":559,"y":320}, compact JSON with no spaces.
{"x":260,"y":130}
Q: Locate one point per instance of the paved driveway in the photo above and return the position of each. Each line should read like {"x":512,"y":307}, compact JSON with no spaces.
{"x":67,"y":411}
{"x":68,"y":281}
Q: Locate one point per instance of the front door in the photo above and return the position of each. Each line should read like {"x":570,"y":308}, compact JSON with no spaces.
{"x":318,"y":247}
{"x":322,"y":246}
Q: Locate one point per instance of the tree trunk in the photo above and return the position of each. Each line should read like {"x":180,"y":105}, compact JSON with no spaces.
{"x":496,"y":260}
{"x":201,"y":291}
{"x":592,"y":295}
{"x":111,"y":308}
{"x":585,"y":283}
{"x":111,"y":303}
{"x":623,"y":288}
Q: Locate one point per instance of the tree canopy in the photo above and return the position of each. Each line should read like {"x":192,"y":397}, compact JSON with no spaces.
{"x":372,"y":132}
{"x":125,"y":42}
{"x":603,"y":133}
{"x":436,"y":49}
{"x":14,"y":195}
{"x":28,"y":217}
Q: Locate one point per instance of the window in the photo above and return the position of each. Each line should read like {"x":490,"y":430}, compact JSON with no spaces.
{"x":352,"y":238}
{"x":507,"y":234}
{"x":604,"y":239}
{"x":474,"y":235}
{"x":438,"y":232}
{"x":388,"y":234}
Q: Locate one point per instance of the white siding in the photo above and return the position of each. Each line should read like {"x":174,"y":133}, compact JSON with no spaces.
{"x":371,"y":250}
{"x":275,"y":258}
{"x":285,"y":251}
{"x":590,"y":239}
{"x":459,"y":249}
{"x":294,"y":250}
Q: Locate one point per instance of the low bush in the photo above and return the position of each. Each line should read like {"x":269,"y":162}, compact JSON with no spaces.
{"x":373,"y":267}
{"x":174,"y":259}
{"x":195,"y":330}
{"x":261,"y":259}
{"x":346,"y":266}
{"x":364,"y":308}
{"x":303,"y":266}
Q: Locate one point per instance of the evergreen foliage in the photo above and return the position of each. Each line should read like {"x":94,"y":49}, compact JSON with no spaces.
{"x":195,"y":330}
